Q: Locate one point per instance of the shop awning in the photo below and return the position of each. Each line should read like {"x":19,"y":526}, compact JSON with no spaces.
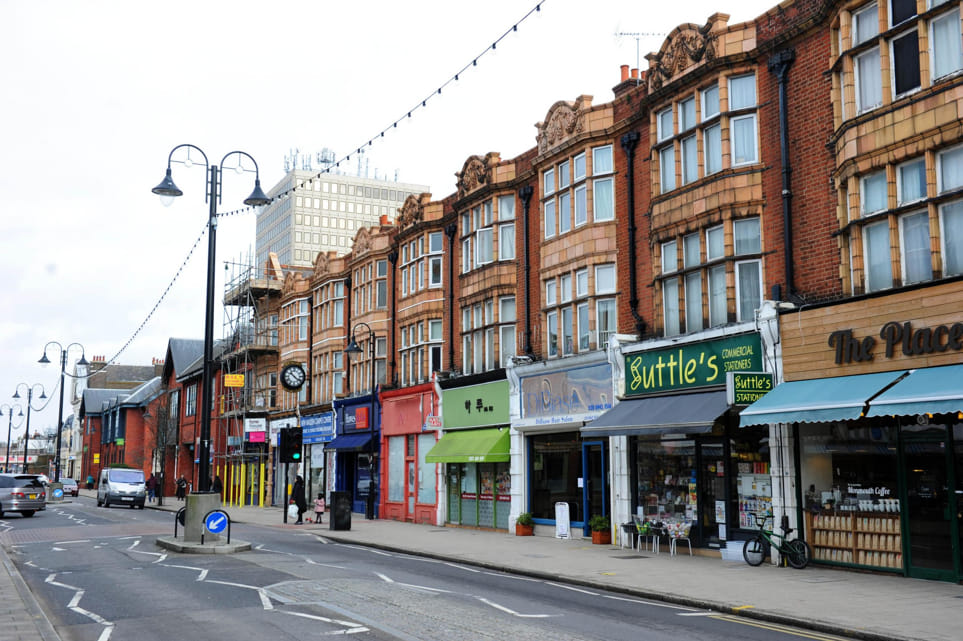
{"x":930,"y":390}
{"x":471,"y":446}
{"x":840,"y":398}
{"x":350,"y":442}
{"x":679,"y":414}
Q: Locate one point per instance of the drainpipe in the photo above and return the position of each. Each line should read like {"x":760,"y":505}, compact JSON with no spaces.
{"x":392,"y":303}
{"x":779,"y":64}
{"x":525,"y":193}
{"x":450,"y":230}
{"x":629,"y":142}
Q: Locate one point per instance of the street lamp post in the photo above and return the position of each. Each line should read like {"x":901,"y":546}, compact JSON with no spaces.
{"x":60,"y":413}
{"x":26,"y":436}
{"x":6,"y":461}
{"x":167,"y":190}
{"x":354,"y":353}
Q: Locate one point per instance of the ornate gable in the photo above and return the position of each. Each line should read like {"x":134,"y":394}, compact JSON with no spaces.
{"x":476,"y":172}
{"x":321,"y":265}
{"x":362,"y":243}
{"x":563,"y":121}
{"x":291,"y":282}
{"x":413,"y":211}
{"x":688,"y":45}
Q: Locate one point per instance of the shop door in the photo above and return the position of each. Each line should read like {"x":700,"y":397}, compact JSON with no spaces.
{"x":929,"y":517}
{"x":594,"y":482}
{"x":410,"y":491}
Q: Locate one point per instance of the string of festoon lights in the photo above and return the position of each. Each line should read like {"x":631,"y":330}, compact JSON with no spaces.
{"x":422,"y":104}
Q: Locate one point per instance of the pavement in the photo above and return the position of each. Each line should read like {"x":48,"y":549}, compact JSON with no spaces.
{"x":862,"y":605}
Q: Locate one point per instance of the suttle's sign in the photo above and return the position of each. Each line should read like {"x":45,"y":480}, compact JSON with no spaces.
{"x":691,"y":366}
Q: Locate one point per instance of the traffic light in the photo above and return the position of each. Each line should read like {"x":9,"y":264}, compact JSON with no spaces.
{"x":290,"y":445}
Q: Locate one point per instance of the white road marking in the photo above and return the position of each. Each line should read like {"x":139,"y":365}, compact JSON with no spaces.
{"x":355,"y":627}
{"x":462,"y":567}
{"x":73,"y":541}
{"x":372,"y":550}
{"x":512,"y":612}
{"x":510,"y":576}
{"x":324,"y":565}
{"x":202,"y":573}
{"x":73,"y":605}
{"x":384,"y":578}
{"x":697,"y":614}
{"x":572,"y":588}
{"x":265,"y":599}
{"x":657,"y":604}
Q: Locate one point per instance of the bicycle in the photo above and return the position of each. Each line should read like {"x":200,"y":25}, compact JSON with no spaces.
{"x":796,"y":552}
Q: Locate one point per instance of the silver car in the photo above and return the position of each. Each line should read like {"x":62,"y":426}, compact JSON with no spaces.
{"x":23,"y":493}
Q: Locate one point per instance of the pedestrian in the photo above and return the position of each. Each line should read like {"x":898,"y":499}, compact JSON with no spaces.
{"x":151,"y":487}
{"x":181,"y":488}
{"x":319,"y":507}
{"x":297,"y":495}
{"x":217,"y":486}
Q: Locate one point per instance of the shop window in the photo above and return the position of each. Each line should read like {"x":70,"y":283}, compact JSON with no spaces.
{"x":556,"y":466}
{"x":396,"y":468}
{"x":426,"y":480}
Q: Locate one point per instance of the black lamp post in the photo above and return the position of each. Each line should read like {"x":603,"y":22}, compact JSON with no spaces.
{"x":42,"y":397}
{"x":354,"y":353}
{"x":167,"y":190}
{"x":60,"y":413}
{"x":6,"y":461}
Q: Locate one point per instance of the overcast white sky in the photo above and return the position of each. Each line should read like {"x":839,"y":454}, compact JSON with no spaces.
{"x":97,"y":93}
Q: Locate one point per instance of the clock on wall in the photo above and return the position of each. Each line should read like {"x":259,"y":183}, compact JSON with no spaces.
{"x":292,"y":377}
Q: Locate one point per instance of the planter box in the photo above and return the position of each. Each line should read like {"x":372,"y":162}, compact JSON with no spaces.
{"x":601,"y":538}
{"x":524,"y":530}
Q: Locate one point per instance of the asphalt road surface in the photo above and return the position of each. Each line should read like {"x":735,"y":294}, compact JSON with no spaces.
{"x":99,"y":577}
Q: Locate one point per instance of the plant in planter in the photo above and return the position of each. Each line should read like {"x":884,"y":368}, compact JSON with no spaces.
{"x":601,"y":530}
{"x":524,"y":525}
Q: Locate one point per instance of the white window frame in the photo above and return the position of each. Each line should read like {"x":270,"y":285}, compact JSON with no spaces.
{"x":739,"y":265}
{"x":600,"y":271}
{"x":733,"y":140}
{"x":904,"y":250}
{"x":597,"y":214}
{"x":506,"y":251}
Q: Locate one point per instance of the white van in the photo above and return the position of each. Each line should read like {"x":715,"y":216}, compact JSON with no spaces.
{"x":121,"y":486}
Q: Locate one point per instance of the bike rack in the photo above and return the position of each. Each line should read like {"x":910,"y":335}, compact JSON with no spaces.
{"x":179,"y":518}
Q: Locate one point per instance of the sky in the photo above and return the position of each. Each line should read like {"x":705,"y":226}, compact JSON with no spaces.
{"x":97,"y":93}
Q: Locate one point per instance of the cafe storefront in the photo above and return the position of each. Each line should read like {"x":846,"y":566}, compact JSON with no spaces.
{"x":475,"y":450}
{"x":687,"y":466}
{"x":555,"y":400}
{"x":879,"y":442}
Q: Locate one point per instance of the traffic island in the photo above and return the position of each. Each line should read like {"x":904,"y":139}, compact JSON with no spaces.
{"x":204,"y":523}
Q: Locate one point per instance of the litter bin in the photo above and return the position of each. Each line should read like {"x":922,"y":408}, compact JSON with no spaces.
{"x":340,"y":511}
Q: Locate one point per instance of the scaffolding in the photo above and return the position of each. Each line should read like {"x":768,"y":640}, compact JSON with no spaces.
{"x":250,"y":336}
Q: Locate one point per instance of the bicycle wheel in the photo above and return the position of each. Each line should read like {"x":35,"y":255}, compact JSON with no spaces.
{"x":799,"y":554}
{"x":754,"y":551}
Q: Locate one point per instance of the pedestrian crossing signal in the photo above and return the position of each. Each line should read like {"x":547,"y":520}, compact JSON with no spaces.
{"x":289,"y":445}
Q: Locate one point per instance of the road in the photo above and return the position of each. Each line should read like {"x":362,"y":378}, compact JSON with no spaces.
{"x":99,"y":577}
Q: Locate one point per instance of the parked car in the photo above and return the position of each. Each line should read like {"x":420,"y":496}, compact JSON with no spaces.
{"x":70,"y":487}
{"x":23,"y":493}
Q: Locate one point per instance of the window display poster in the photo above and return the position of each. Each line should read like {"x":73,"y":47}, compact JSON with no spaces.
{"x":720,"y":511}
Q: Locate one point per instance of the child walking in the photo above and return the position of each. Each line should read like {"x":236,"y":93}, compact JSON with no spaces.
{"x":319,"y":507}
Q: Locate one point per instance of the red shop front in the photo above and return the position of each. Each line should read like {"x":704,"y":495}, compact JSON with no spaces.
{"x":409,"y":427}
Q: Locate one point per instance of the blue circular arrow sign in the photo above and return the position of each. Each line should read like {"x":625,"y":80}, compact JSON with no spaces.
{"x":216,"y":522}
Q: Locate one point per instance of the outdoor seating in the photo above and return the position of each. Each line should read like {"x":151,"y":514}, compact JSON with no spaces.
{"x":679,"y":532}
{"x":647,"y":533}
{"x":629,"y":532}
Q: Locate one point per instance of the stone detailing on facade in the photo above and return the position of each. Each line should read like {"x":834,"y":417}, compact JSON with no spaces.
{"x":564,"y":120}
{"x":688,"y":45}
{"x":413,"y":210}
{"x":476,"y":172}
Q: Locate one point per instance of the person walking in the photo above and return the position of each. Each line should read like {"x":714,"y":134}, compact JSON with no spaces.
{"x":151,"y":487}
{"x":297,"y":495}
{"x":217,"y":486}
{"x":181,"y":488}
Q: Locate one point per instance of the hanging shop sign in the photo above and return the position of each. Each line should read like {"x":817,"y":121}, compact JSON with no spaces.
{"x":691,"y":366}
{"x":476,"y":405}
{"x":745,"y":388}
{"x":566,"y":396}
{"x":898,"y":338}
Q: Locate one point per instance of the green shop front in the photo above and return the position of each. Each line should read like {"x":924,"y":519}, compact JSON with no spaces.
{"x":475,"y":451}
{"x":689,"y":466}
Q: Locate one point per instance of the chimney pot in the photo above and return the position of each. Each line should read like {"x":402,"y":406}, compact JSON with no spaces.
{"x":625,"y":72}
{"x":635,"y":74}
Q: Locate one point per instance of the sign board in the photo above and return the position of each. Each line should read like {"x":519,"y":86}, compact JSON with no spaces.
{"x":255,"y":424}
{"x":479,"y":405}
{"x":234,"y":380}
{"x":432,"y":423}
{"x":96,"y":457}
{"x":215,"y":522}
{"x":692,"y":365}
{"x":561,"y":396}
{"x":562,"y":521}
{"x":745,"y":388}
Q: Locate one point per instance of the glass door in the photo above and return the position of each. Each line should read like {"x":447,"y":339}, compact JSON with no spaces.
{"x":930,"y":514}
{"x":594,"y":482}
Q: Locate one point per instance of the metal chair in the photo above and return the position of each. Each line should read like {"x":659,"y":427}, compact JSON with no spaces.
{"x":681,"y":535}
{"x":629,"y":532}
{"x":645,"y":534}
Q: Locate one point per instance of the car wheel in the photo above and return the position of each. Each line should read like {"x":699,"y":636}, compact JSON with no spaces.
{"x":106,"y":502}
{"x":1,"y":511}
{"x":27,"y":514}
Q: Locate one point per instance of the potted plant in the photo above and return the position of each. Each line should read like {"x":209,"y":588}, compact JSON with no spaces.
{"x":601,"y":530}
{"x":524,"y":525}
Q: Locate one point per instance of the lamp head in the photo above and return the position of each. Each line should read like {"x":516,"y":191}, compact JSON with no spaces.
{"x":44,"y":360}
{"x":83,"y":360}
{"x":353,"y":351}
{"x":43,"y":395}
{"x":16,"y":393}
{"x":167,"y":190}
{"x":257,"y":198}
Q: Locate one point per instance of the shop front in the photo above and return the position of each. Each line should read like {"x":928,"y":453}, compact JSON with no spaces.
{"x":688,"y":466}
{"x":409,"y":428}
{"x":879,"y":450}
{"x":355,"y":448}
{"x":317,"y":429}
{"x":561,"y":465}
{"x":475,"y":448}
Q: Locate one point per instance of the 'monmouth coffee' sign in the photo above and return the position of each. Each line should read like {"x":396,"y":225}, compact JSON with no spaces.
{"x":896,"y":336}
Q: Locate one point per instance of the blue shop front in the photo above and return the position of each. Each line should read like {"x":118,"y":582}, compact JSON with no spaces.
{"x":317,"y":430}
{"x":355,"y":447}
